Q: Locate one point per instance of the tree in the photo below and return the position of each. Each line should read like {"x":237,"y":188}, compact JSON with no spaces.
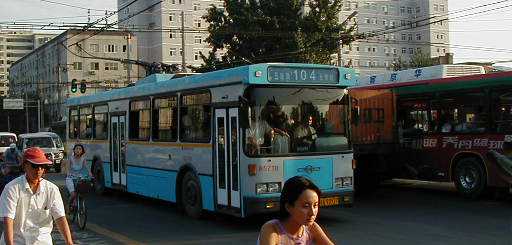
{"x":256,"y":31}
{"x":420,"y":60}
{"x":399,"y":64}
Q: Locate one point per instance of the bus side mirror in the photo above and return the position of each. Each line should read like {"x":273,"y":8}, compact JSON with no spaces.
{"x":243,"y":112}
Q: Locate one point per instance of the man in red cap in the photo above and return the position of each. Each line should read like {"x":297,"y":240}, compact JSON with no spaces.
{"x":29,"y":204}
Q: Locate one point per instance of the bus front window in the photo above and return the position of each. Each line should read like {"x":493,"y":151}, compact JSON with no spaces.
{"x":298,"y":120}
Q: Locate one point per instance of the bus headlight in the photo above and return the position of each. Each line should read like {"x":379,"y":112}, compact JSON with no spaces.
{"x":267,"y":188}
{"x":341,"y":182}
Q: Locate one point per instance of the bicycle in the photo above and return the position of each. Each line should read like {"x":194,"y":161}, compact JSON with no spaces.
{"x":79,"y":213}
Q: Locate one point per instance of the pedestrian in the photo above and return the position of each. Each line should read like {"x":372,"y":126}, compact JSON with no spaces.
{"x":29,"y":204}
{"x":76,"y":169}
{"x":298,"y":210}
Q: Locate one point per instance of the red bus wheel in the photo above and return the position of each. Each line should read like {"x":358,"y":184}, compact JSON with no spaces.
{"x":470,"y":177}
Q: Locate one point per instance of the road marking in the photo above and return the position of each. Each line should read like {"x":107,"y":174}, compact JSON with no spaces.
{"x":111,"y":234}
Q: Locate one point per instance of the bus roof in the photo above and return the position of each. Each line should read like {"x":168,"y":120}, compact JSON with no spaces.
{"x":312,"y":74}
{"x":446,"y":84}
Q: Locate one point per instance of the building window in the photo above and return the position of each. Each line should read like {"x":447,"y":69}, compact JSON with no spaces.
{"x":404,"y":50}
{"x":94,"y":47}
{"x":197,"y":23}
{"x":409,"y":37}
{"x":394,"y":51}
{"x":181,"y":51}
{"x":197,"y":39}
{"x":367,"y":20}
{"x":404,"y":37}
{"x":418,"y":37}
{"x":196,"y":7}
{"x":173,"y":1}
{"x":409,"y":10}
{"x":418,"y":9}
{"x":402,"y":22}
{"x":172,"y":51}
{"x":111,"y":48}
{"x":95,"y":66}
{"x":172,"y":17}
{"x":441,"y":7}
{"x":197,"y":55}
{"x":77,"y":66}
{"x":436,"y":7}
{"x":411,"y":51}
{"x":402,"y":10}
{"x":111,"y":66}
{"x":124,"y":48}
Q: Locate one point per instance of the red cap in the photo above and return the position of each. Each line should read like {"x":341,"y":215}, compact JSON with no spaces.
{"x":36,"y":156}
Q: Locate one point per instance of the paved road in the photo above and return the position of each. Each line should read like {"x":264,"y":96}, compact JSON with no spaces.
{"x":400,"y":212}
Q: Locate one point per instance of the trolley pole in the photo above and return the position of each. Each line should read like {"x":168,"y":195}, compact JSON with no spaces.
{"x":340,"y":42}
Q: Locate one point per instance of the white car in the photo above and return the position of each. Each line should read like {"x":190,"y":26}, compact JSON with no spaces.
{"x":49,"y":142}
{"x":5,"y":140}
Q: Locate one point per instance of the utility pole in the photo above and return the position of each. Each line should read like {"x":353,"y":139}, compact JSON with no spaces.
{"x":38,"y":115}
{"x":183,"y":64}
{"x":128,"y":68}
{"x":340,"y":42}
{"x":26,"y":106}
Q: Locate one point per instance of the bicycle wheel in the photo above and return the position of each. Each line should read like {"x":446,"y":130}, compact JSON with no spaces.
{"x":71,"y":214}
{"x":81,"y":212}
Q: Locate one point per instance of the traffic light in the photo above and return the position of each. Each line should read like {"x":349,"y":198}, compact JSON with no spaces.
{"x":83,"y":87}
{"x":74,"y":86}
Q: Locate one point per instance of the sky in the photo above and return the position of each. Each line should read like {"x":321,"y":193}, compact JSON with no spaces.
{"x":478,"y":37}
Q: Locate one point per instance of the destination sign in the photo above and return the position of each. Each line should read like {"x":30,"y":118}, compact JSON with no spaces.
{"x":278,"y":74}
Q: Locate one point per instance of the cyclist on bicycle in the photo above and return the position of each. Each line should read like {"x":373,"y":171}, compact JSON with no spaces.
{"x":77,"y":169}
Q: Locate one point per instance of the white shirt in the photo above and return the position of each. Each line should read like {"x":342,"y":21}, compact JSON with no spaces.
{"x":32,"y":212}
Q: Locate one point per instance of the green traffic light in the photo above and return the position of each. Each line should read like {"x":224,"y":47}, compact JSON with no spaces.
{"x":74,"y":86}
{"x":83,"y":87}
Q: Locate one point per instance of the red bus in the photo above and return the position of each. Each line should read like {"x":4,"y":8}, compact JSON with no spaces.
{"x":456,"y":129}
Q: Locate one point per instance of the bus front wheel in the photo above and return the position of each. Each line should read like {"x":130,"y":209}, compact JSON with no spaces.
{"x":191,"y":195}
{"x":470,"y":178}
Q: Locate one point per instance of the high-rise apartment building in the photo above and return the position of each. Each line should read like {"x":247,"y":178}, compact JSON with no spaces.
{"x":398,"y":30}
{"x":47,"y":73}
{"x":171,"y":32}
{"x":13,"y":46}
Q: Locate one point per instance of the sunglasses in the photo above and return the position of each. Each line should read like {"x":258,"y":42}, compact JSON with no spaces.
{"x":36,"y":166}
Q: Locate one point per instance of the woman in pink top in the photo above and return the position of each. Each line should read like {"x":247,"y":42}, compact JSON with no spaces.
{"x":298,"y":210}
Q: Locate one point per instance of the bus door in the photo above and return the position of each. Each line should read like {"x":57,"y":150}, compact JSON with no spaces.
{"x":227,"y":160}
{"x":118,"y":149}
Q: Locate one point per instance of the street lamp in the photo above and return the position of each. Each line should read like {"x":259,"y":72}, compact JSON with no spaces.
{"x":340,"y":43}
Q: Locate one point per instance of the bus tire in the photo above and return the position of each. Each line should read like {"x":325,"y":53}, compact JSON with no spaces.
{"x":191,"y":195}
{"x":470,"y":177}
{"x":99,"y":181}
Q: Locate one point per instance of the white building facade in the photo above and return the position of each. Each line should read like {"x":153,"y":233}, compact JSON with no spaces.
{"x":13,"y":46}
{"x":171,"y":32}
{"x":46,"y":74}
{"x":398,"y":30}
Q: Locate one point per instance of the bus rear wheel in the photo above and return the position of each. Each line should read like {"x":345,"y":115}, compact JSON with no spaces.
{"x":191,"y":195}
{"x":470,"y":178}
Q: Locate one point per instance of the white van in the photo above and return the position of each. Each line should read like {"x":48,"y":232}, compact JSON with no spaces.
{"x":5,"y":140}
{"x":49,"y":142}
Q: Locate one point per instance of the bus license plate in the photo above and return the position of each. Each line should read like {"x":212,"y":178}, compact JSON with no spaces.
{"x":329,"y":201}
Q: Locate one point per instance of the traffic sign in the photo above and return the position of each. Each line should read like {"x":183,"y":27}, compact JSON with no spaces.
{"x":13,"y":104}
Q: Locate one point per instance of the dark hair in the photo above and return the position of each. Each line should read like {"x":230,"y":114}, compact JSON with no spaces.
{"x":81,"y":146}
{"x":292,"y":189}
